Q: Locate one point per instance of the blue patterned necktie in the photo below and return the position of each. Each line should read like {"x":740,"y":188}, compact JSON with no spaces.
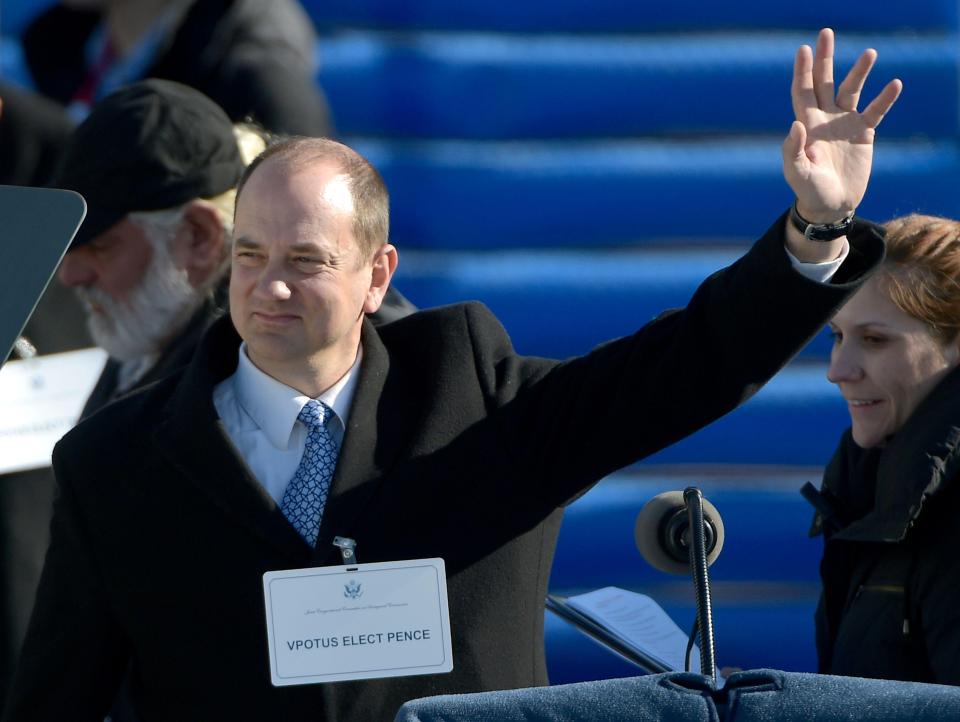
{"x":306,"y":494}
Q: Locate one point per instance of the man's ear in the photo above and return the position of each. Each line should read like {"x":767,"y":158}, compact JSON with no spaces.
{"x":201,"y":242}
{"x":384,"y":265}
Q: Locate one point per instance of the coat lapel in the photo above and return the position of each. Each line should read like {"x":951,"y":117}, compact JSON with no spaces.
{"x":193,"y":439}
{"x":371,"y":444}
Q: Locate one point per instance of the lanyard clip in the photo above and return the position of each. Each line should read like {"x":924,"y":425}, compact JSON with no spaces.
{"x":347,"y":549}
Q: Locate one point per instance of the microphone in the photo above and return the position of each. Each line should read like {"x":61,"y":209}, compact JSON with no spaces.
{"x":662,"y":533}
{"x":679,"y":533}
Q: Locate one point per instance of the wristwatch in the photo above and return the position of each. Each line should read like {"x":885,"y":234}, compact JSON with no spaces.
{"x":821,"y":232}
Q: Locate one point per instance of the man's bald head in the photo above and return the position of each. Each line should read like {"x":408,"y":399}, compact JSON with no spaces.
{"x":368,"y":193}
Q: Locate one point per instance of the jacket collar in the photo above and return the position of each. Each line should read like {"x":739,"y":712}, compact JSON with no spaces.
{"x":375,"y":435}
{"x":918,"y":463}
{"x":194,"y":440}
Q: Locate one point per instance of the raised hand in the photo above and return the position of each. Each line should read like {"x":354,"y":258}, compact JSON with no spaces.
{"x":829,"y":152}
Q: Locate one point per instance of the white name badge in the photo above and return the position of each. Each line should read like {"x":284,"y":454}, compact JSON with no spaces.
{"x":363,"y":621}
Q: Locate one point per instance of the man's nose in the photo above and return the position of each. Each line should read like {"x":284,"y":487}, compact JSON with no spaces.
{"x":272,"y":287}
{"x":76,"y":269}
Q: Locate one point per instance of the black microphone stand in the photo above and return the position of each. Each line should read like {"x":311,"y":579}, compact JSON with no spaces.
{"x":693,"y":498}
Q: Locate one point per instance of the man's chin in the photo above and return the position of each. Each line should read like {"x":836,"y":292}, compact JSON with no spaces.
{"x":119,"y":350}
{"x":118,"y":345}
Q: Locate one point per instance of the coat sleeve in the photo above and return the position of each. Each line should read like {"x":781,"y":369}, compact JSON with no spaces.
{"x":255,"y":58}
{"x":280,"y":98}
{"x":75,"y":653}
{"x":634,"y":396}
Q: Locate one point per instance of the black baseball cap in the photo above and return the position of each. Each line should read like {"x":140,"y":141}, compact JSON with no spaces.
{"x":151,"y":145}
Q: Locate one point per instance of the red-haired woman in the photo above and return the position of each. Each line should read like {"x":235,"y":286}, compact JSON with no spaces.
{"x":890,"y":606}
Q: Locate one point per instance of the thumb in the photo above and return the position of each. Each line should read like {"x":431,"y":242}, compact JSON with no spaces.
{"x":793,"y":146}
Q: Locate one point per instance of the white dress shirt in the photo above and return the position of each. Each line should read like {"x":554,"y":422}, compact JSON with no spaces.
{"x":260,"y":413}
{"x":821,"y":272}
{"x":260,"y":416}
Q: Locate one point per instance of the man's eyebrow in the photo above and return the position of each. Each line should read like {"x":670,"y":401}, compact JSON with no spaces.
{"x":245,"y":242}
{"x":304,"y":248}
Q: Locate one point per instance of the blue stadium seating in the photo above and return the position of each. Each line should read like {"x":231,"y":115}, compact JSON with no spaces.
{"x":598,"y":16}
{"x":563,"y":303}
{"x":631,"y":16}
{"x":479,"y":85}
{"x":15,"y":15}
{"x":625,"y":192}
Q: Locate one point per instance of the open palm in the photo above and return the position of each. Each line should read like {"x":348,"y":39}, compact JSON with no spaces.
{"x":829,"y":152}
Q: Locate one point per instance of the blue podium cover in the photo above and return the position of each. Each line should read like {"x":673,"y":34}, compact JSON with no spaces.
{"x":761,"y":695}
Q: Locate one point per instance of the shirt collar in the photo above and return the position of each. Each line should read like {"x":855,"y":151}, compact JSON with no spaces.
{"x":274,"y":406}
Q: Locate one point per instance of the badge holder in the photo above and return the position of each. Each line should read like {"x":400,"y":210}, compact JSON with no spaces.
{"x":357,"y":621}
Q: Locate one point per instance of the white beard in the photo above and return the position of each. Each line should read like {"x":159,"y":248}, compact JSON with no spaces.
{"x":151,"y":315}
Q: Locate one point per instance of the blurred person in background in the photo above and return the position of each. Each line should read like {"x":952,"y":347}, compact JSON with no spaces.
{"x":890,"y":605}
{"x":254,"y":58}
{"x":157,"y":163}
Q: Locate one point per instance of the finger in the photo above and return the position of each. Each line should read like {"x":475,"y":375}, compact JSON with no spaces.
{"x":801,"y":91}
{"x":873,"y":113}
{"x":823,"y":70}
{"x":793,"y":146}
{"x":848,"y":97}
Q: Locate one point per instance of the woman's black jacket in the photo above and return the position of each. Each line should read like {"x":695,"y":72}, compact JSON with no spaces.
{"x":890,"y":604}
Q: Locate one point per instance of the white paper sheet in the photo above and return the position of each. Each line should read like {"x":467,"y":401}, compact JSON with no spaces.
{"x":41,"y":400}
{"x":641,"y":622}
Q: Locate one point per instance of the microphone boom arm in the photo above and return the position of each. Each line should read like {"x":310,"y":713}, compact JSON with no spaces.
{"x":701,"y":580}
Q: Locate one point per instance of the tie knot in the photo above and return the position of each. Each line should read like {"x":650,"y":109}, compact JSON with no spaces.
{"x":314,"y":414}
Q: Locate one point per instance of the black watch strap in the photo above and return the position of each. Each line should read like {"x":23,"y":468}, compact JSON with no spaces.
{"x":822,"y":232}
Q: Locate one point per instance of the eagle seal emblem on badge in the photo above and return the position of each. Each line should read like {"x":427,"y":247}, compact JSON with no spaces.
{"x":352,"y":590}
